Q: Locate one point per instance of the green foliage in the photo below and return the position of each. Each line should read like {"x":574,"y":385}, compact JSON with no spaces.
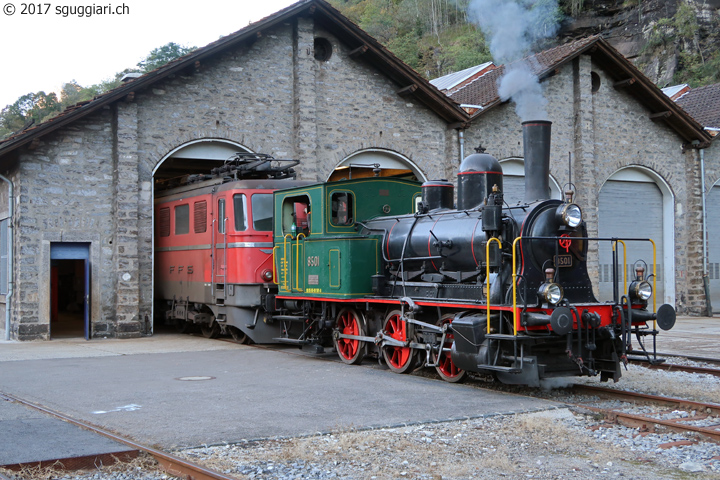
{"x":38,"y":107}
{"x":696,"y":73}
{"x":162,"y":55}
{"x":686,"y":22}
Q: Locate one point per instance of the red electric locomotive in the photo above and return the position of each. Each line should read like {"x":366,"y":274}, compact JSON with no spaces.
{"x":213,"y":247}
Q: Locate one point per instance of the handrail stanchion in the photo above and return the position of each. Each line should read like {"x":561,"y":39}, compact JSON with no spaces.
{"x":297,"y":260}
{"x":487,"y":276}
{"x":514,"y":276}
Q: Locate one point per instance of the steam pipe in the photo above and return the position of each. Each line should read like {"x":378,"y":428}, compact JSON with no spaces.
{"x":8,"y":296}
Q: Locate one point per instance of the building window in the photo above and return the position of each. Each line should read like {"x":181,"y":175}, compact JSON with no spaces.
{"x":322,"y":49}
{"x":182,"y":219}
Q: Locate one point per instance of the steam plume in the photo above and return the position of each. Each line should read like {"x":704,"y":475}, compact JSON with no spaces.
{"x":511,"y":28}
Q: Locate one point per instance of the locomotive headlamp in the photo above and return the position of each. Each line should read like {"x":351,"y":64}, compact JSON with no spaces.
{"x":640,"y":290}
{"x":267,"y":275}
{"x":569,"y":214}
{"x":551,"y":292}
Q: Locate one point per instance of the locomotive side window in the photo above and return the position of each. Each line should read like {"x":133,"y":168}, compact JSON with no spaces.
{"x":296,"y":215}
{"x":163,"y":222}
{"x":262,"y":212}
{"x":240,"y":208}
{"x":182,"y":219}
{"x":342,"y":206}
{"x":221,"y":216}
{"x":200,"y":217}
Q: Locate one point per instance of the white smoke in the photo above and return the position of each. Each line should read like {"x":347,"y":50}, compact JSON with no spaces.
{"x":511,"y":28}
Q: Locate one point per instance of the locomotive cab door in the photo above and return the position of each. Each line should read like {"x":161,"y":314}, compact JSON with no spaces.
{"x":296,"y":222}
{"x":219,"y":248}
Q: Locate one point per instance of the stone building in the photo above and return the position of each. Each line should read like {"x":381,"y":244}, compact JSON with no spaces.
{"x":634,"y":156}
{"x":306,"y":83}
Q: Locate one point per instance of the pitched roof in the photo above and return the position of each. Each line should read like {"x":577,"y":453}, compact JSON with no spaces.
{"x":451,"y":80}
{"x":676,"y":91}
{"x":361,"y":45}
{"x":484,"y":90}
{"x":703,"y":104}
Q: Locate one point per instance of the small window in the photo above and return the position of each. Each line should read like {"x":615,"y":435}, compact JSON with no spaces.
{"x":262,"y":212}
{"x":296,"y":215}
{"x":163,"y":222}
{"x":240,"y":209}
{"x":200,"y":217}
{"x":595,"y":82}
{"x":342,"y":206}
{"x":322,"y":49}
{"x":221,"y":216}
{"x":182,"y":219}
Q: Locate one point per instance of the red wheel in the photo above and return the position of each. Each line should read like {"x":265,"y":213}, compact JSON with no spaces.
{"x":447,"y":370}
{"x":351,"y":351}
{"x":399,"y":359}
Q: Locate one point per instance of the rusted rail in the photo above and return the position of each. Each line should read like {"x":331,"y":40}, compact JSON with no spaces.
{"x":650,"y":423}
{"x":678,"y":368}
{"x":170,"y":463}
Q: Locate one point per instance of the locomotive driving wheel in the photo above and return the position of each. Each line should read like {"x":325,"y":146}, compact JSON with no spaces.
{"x":398,"y":359}
{"x":238,"y":335}
{"x":210,"y":330}
{"x":445,"y":367}
{"x":350,"y":350}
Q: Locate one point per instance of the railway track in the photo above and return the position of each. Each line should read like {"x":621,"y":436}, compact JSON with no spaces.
{"x":671,"y":367}
{"x":169,"y":463}
{"x":702,"y":419}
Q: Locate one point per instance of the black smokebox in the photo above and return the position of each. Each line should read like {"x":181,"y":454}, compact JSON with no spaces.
{"x":536,"y":146}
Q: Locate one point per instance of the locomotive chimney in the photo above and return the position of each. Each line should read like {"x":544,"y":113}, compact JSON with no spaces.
{"x":536,"y":146}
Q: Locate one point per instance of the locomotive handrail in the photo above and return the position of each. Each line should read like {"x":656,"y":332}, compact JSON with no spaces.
{"x":285,"y":260}
{"x":487,"y":276}
{"x":274,"y":280}
{"x":624,"y":262}
{"x":654,"y":282}
{"x":297,"y":262}
{"x":514,"y":276}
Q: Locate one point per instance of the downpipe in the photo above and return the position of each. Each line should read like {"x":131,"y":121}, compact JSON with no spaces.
{"x":8,"y":296}
{"x":706,"y":279}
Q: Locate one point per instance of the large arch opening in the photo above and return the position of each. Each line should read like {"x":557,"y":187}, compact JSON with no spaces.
{"x":652,"y":216}
{"x":514,"y":182}
{"x":197,"y":157}
{"x":372,"y":161}
{"x":712,"y":213}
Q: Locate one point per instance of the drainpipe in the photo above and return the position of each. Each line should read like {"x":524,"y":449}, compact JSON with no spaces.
{"x":8,"y":296}
{"x":461,"y":137}
{"x":706,"y":280}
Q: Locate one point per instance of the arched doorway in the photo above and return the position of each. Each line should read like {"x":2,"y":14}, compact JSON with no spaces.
{"x":363,"y":163}
{"x":514,"y":182}
{"x":636,"y":202}
{"x":193,"y":158}
{"x":712,"y":214}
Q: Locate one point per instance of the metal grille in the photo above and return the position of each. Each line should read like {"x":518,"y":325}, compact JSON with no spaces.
{"x":163,"y":222}
{"x":200,"y":217}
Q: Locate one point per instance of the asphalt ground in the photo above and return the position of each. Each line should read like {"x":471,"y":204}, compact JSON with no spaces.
{"x":173,"y":390}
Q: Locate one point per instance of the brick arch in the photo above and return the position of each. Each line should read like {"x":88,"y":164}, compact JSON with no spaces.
{"x":391,"y":157}
{"x":165,"y":150}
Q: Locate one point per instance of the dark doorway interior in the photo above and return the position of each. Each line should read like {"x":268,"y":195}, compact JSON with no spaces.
{"x":67,"y":317}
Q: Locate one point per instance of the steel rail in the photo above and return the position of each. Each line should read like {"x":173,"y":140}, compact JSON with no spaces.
{"x":632,"y":420}
{"x":169,"y":463}
{"x":677,"y":368}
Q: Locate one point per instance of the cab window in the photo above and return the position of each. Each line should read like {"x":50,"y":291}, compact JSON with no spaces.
{"x":240,"y":212}
{"x":262,"y":212}
{"x":296,"y":215}
{"x":182,"y":219}
{"x":342,"y":208}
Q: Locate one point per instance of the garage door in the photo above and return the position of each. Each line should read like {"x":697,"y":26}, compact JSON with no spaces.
{"x":713,"y":226}
{"x":645,"y":220}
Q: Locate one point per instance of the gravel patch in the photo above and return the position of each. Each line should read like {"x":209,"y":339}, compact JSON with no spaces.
{"x":566,"y":443}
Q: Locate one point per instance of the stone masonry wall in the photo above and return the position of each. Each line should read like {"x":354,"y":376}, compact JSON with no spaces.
{"x":605,"y":131}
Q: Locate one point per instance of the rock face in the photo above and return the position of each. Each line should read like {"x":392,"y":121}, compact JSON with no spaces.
{"x":650,"y":32}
